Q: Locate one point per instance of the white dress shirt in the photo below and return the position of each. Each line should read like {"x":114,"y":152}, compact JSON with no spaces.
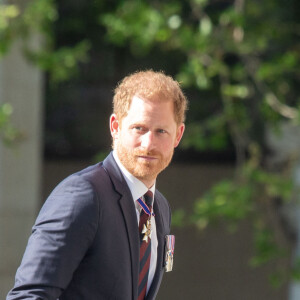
{"x":138,"y":189}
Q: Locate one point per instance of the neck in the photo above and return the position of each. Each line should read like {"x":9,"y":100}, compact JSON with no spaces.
{"x":147,"y":182}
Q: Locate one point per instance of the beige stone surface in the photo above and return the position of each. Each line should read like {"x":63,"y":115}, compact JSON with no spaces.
{"x":21,"y":86}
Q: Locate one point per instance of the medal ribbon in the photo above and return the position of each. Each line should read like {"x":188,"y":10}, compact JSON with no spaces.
{"x":171,"y":243}
{"x":145,"y":207}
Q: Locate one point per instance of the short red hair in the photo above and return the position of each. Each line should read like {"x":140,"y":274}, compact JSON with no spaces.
{"x":147,"y":84}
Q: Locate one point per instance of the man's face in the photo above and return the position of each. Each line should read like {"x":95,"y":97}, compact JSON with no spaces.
{"x":145,"y":139}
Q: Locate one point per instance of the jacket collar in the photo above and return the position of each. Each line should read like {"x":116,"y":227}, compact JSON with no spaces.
{"x":160,"y":250}
{"x":128,"y":209}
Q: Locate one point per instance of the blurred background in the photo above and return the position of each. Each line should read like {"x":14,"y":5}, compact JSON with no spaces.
{"x":234,"y":182}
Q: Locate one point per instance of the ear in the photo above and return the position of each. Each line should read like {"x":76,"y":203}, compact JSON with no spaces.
{"x":179,"y":134}
{"x":114,"y":126}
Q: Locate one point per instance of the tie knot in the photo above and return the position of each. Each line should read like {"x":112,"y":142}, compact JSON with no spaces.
{"x":148,"y":198}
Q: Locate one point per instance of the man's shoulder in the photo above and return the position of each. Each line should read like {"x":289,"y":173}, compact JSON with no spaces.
{"x":95,"y":171}
{"x":90,"y":171}
{"x":82,"y":179}
{"x":159,"y":195}
{"x":83,"y":175}
{"x":162,"y":200}
{"x":164,"y":208}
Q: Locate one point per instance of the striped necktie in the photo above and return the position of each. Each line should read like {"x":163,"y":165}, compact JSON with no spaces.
{"x":145,"y":247}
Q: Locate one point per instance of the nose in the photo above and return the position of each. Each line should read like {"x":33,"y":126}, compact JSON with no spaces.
{"x":147,"y":141}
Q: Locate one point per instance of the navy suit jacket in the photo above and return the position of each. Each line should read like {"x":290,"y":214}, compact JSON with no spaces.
{"x":85,"y":242}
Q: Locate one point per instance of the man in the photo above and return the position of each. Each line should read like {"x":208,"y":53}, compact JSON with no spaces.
{"x":101,"y":233}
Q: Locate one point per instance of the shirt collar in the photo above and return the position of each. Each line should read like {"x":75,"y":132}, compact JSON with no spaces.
{"x":137,"y":188}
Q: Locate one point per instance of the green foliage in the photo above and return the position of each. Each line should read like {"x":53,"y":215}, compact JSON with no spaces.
{"x":8,"y":133}
{"x":8,"y":14}
{"x":265,"y":246}
{"x":236,"y":199}
{"x":248,"y":197}
{"x":296,"y":269}
{"x":178,"y":218}
{"x":143,"y":24}
{"x":277,"y":278}
{"x":100,"y":156}
{"x":211,"y":134}
{"x":267,"y":250}
{"x":62,"y":63}
{"x":226,"y":200}
{"x":20,"y":21}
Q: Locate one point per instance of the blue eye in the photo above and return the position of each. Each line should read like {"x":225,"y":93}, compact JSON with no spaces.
{"x":161,"y":131}
{"x":139,"y":129}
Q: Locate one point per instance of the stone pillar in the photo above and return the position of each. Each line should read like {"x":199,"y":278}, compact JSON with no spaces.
{"x":294,"y":212}
{"x":286,"y":151}
{"x":21,"y":86}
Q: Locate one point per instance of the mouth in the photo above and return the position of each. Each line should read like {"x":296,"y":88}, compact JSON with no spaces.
{"x":147,"y":158}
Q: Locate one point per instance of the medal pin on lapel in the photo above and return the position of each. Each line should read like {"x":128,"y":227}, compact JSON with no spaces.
{"x":147,"y":231}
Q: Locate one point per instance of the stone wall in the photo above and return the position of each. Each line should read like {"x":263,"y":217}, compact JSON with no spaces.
{"x":21,"y":86}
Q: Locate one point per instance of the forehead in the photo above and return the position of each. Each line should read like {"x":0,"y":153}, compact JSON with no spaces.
{"x":155,"y":109}
{"x":153,"y":105}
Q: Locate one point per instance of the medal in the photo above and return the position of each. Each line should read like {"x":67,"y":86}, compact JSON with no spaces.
{"x":147,"y":230}
{"x":147,"y":227}
{"x":170,"y":245}
{"x":169,"y":261}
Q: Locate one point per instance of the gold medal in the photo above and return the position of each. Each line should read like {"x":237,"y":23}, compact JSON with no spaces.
{"x":147,"y":230}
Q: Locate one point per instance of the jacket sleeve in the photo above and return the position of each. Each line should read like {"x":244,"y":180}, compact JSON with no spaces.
{"x":63,"y":232}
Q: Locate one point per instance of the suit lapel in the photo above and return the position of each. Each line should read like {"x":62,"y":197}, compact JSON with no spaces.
{"x":160,"y":249}
{"x":129,"y":214}
{"x":128,"y":210}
